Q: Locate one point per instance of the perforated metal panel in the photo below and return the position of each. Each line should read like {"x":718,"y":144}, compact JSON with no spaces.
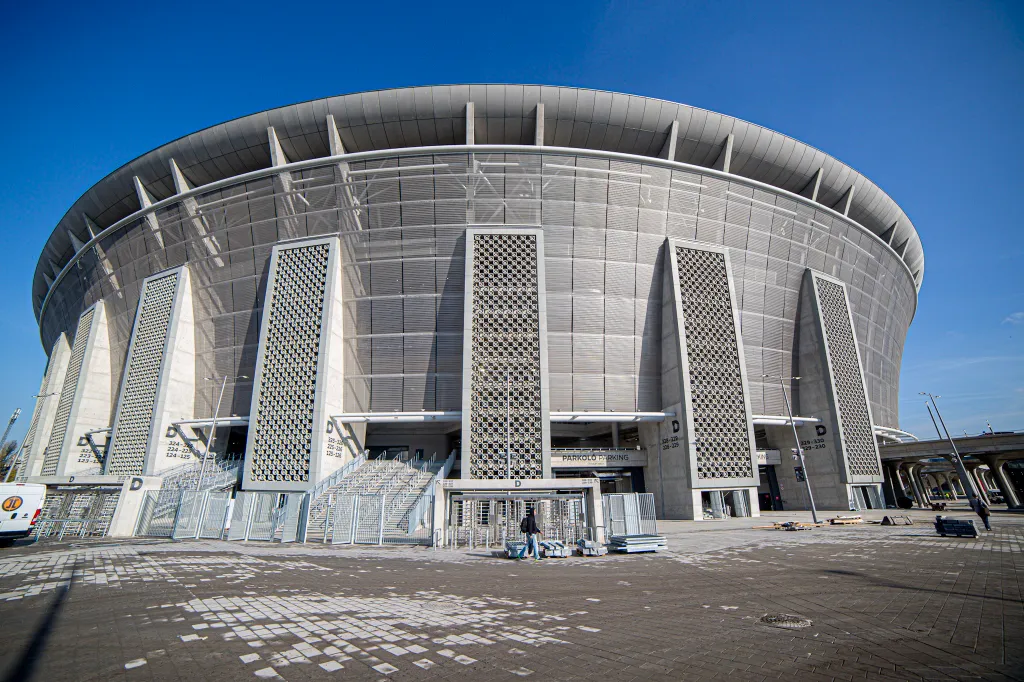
{"x":506,"y":413}
{"x":51,"y":457}
{"x":720,"y":419}
{"x":135,"y":416}
{"x":847,"y":380}
{"x":283,"y":423}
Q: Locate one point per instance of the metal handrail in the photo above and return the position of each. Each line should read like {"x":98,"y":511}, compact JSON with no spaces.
{"x":316,"y":491}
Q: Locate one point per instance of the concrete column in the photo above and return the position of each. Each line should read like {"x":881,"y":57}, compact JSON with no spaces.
{"x":1013,"y":499}
{"x":979,"y":485}
{"x":915,"y":485}
{"x":890,"y":483}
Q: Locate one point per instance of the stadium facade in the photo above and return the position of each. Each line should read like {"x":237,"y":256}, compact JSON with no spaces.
{"x":552,"y":283}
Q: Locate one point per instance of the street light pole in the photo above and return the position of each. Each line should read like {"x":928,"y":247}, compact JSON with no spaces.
{"x":796,"y":439}
{"x":213,"y":428}
{"x":3,"y":441}
{"x":958,"y":461}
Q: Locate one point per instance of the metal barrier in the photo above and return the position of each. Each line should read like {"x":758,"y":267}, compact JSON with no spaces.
{"x":480,"y":521}
{"x":630,"y":514}
{"x":79,"y":512}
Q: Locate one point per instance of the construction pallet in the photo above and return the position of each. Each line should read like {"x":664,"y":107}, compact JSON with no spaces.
{"x":590,"y":548}
{"x":637,"y":543}
{"x":846,"y":520}
{"x":553,"y":549}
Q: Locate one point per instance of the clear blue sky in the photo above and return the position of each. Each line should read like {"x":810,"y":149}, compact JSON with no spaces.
{"x":926,"y":99}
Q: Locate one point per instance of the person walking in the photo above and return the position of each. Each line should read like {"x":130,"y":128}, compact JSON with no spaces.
{"x":529,"y":526}
{"x":981,"y":509}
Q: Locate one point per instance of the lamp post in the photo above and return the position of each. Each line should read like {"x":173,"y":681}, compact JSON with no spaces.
{"x":796,"y":439}
{"x":213,"y":428}
{"x":958,"y":461}
{"x":14,"y":418}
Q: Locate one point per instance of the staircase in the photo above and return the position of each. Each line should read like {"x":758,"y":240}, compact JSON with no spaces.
{"x":400,"y":482}
{"x":218,"y":476}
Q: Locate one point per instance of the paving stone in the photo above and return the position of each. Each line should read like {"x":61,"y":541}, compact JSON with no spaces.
{"x":884,"y":603}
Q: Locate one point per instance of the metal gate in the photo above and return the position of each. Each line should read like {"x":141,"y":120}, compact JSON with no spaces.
{"x":485,"y":521}
{"x":267,"y":516}
{"x":341,"y":516}
{"x":630,"y":514}
{"x":77,"y":511}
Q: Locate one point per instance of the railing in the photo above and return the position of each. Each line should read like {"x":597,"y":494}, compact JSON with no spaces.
{"x":318,"y":490}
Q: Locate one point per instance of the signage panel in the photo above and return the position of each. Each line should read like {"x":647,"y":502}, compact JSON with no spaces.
{"x":591,"y":459}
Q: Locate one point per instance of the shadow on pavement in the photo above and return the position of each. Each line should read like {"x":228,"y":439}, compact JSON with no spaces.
{"x":25,"y":665}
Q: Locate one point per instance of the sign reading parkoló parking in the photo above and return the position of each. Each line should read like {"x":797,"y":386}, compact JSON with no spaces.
{"x":577,"y":459}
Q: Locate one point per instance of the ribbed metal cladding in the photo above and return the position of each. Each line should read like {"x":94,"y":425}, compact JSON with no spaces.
{"x":604,"y":223}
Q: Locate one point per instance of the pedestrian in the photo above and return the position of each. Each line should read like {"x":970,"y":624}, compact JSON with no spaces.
{"x":981,"y":509}
{"x":529,"y":526}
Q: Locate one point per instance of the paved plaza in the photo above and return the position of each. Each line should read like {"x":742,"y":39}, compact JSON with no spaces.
{"x":883,"y":602}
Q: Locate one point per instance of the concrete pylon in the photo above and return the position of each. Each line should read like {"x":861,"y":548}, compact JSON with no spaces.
{"x":915,"y":489}
{"x":979,"y":485}
{"x":1006,"y":487}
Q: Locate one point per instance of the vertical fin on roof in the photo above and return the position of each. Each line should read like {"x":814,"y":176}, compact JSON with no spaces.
{"x":277,"y":157}
{"x":538,"y":133}
{"x":333,"y":138}
{"x":888,"y":235}
{"x":813,"y":185}
{"x":843,"y":206}
{"x":668,"y":150}
{"x":91,"y":227}
{"x":470,"y":123}
{"x":145,"y":201}
{"x":181,"y":184}
{"x":75,"y":241}
{"x":725,"y":157}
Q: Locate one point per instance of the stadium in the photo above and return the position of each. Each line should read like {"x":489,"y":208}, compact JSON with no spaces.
{"x":485,"y":289}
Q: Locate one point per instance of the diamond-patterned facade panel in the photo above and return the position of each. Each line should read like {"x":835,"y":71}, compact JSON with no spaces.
{"x":506,"y":411}
{"x":847,"y":380}
{"x":283,"y":423}
{"x":720,"y":419}
{"x":30,"y":437}
{"x":51,"y":457}
{"x":135,"y":417}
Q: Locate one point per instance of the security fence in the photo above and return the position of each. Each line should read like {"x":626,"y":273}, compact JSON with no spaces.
{"x":182,"y":514}
{"x":630,"y":514}
{"x":378,"y":520}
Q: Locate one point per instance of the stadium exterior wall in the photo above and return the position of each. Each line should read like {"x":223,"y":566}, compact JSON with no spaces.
{"x":402,"y":215}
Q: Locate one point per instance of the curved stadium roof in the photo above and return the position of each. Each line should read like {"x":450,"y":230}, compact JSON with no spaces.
{"x":504,"y":114}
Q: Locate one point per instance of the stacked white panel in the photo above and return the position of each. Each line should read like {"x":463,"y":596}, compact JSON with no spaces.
{"x":506,"y":431}
{"x":85,"y":399}
{"x":292,"y":444}
{"x":158,"y":387}
{"x":45,"y":410}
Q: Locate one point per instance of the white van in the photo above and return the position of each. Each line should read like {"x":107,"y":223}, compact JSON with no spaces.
{"x":20,"y":505}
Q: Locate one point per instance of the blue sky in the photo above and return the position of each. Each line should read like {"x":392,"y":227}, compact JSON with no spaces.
{"x":923,"y":98}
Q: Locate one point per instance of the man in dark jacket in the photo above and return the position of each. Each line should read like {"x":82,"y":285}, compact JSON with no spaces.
{"x":981,"y":509}
{"x":529,"y":526}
